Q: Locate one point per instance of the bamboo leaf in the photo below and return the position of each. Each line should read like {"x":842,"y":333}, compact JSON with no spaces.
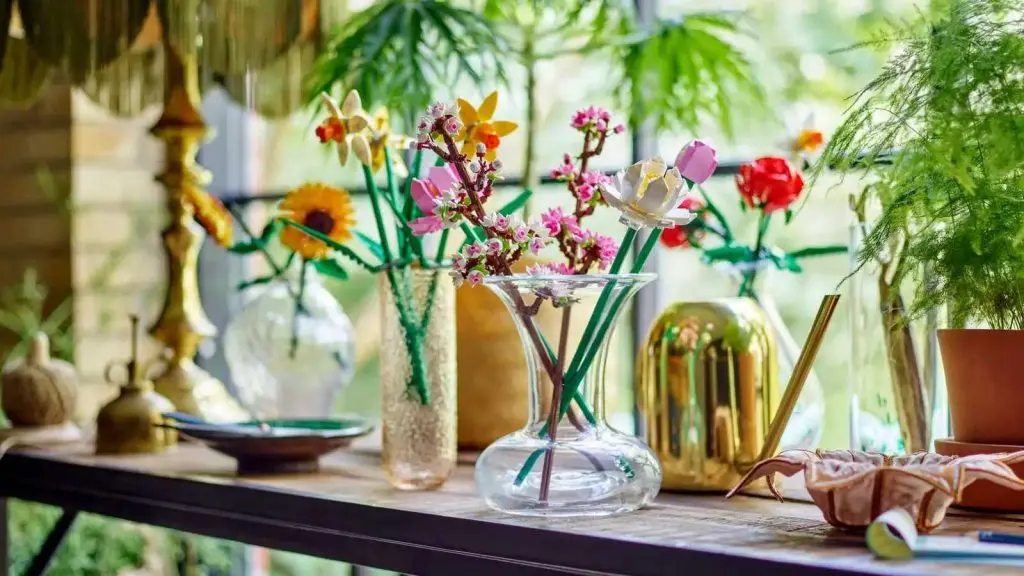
{"x":517,"y":203}
{"x":372,"y":245}
{"x":330,"y":268}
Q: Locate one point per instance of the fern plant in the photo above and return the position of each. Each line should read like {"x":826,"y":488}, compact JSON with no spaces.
{"x":395,"y":53}
{"x":945,"y":114}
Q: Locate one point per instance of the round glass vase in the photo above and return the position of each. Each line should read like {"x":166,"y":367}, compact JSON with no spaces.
{"x":418,"y":402}
{"x":807,"y":424}
{"x":288,"y":360}
{"x":584,"y":467}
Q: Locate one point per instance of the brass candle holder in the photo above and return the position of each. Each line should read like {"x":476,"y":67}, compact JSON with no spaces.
{"x":182,"y":323}
{"x":130,"y":423}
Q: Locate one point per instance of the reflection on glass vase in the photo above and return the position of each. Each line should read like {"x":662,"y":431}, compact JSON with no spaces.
{"x":290,"y":360}
{"x":807,"y":424}
{"x":897,"y":397}
{"x":417,"y":378}
{"x":583,"y":467}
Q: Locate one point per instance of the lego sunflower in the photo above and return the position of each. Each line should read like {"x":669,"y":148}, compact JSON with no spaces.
{"x":326,"y":209}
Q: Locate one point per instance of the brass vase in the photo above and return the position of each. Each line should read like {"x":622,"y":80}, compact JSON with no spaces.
{"x":420,"y":448}
{"x":707,"y":386}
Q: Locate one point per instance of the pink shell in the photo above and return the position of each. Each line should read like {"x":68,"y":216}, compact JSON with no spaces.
{"x":852,"y":488}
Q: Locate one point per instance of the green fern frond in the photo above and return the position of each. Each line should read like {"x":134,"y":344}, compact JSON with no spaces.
{"x":948,"y":110}
{"x":397,"y":53}
{"x":686,"y":71}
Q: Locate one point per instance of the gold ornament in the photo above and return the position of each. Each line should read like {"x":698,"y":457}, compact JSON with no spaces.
{"x":130,"y":423}
{"x":40,"y":391}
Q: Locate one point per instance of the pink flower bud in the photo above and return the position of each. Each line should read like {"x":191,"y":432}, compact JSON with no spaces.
{"x":601,"y":126}
{"x":585,"y":192}
{"x":697,"y":161}
{"x":494,"y":246}
{"x":520,"y":233}
{"x":536,"y":245}
{"x":452,"y":125}
{"x":619,"y":128}
{"x":475,"y":278}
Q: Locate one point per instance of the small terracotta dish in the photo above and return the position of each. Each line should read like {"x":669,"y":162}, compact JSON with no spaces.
{"x":275,"y":446}
{"x":852,"y":488}
{"x":986,"y":496}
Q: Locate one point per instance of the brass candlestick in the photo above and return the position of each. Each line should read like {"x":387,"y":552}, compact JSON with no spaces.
{"x":182,"y":323}
{"x":129,"y":424}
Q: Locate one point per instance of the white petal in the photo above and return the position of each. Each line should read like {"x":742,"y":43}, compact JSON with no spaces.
{"x":656,"y":198}
{"x":357,"y":122}
{"x":611,"y":195}
{"x":331,"y":105}
{"x":679,"y":216}
{"x":343,"y":151}
{"x":625,"y":186}
{"x":352,"y":103}
{"x":361,"y":149}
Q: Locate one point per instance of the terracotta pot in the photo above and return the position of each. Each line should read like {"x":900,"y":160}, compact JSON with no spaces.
{"x":986,"y":495}
{"x":983,"y":379}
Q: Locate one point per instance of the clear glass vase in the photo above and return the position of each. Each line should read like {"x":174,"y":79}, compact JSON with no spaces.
{"x":897,"y":394}
{"x":807,"y":424}
{"x":290,"y":361}
{"x":584,"y":468}
{"x":417,"y":378}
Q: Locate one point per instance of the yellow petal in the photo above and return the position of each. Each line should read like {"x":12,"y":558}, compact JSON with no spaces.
{"x":487,"y":108}
{"x":361,"y":148}
{"x":382,"y":120}
{"x":331,"y":105}
{"x":504,"y":127}
{"x":467,"y":113}
{"x":377,"y":154}
{"x":460,"y":135}
{"x":469,"y":148}
{"x":352,"y":104}
{"x":343,"y":151}
{"x":491,"y":154}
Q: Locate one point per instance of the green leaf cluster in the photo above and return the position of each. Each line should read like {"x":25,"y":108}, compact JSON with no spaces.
{"x":396,"y":53}
{"x":680,"y":72}
{"x":945,"y":114}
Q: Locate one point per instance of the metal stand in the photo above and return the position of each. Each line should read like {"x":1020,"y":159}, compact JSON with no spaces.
{"x":52,"y":543}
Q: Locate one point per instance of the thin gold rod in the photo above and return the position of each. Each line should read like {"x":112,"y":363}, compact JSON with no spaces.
{"x":799,"y":376}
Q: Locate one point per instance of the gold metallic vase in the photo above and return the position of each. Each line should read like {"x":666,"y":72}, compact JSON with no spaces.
{"x":707,"y":388}
{"x":129,"y":424}
{"x":419,"y":449}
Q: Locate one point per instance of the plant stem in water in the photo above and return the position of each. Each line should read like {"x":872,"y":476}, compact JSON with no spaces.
{"x":294,"y":347}
{"x":556,"y":402}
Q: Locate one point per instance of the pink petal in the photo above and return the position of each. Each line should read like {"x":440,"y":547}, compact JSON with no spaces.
{"x":421,"y":195}
{"x":442,"y":177}
{"x":425,"y":225}
{"x":697,"y":161}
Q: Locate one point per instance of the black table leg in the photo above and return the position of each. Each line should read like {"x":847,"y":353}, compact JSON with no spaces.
{"x":46,"y":552}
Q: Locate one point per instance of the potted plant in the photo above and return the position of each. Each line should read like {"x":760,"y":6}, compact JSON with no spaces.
{"x":944,"y":115}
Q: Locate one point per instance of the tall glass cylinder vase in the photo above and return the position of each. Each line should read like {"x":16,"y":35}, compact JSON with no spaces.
{"x":417,"y":378}
{"x":807,"y":424}
{"x":897,"y":395}
{"x":566,"y":460}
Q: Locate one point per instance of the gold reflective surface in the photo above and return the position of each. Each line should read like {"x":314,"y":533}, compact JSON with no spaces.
{"x":707,"y":387}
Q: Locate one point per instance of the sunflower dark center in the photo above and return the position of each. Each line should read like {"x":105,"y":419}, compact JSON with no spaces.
{"x":320,"y":221}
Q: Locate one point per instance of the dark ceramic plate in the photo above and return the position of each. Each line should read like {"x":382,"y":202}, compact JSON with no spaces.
{"x":275,"y":446}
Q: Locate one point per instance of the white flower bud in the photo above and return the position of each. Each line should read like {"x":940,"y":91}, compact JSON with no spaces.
{"x":480,"y":148}
{"x":474,"y":166}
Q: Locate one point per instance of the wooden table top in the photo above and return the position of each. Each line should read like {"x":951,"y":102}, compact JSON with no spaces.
{"x":348,"y":512}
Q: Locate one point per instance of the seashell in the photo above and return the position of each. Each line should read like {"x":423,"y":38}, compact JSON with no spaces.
{"x":852,"y":488}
